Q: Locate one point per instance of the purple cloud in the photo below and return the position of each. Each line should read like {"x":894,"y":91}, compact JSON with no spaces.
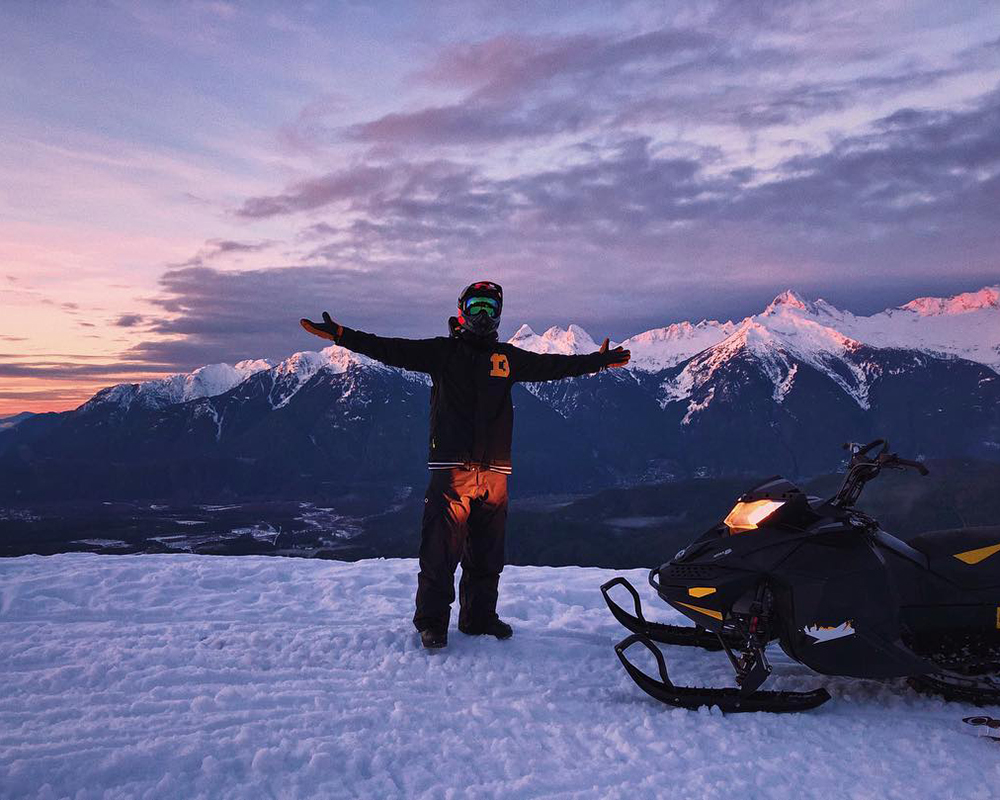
{"x":321,"y":191}
{"x":218,"y":247}
{"x":69,"y":370}
{"x":910,"y":163}
{"x":901,"y":197}
{"x":471,"y":123}
{"x":129,"y":320}
{"x":513,"y":64}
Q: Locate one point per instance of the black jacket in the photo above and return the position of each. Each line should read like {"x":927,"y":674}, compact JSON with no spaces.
{"x":472,"y":417}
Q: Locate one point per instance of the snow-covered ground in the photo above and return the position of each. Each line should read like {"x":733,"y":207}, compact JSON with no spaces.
{"x":187,"y":676}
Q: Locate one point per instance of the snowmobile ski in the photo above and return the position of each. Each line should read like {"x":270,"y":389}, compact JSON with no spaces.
{"x":957,"y":689}
{"x":989,"y":727}
{"x":729,"y":700}
{"x":682,"y":635}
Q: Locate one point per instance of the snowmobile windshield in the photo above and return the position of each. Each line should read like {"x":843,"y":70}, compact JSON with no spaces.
{"x":747,"y":516}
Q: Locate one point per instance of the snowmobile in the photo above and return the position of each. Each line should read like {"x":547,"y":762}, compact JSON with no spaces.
{"x":836,"y":592}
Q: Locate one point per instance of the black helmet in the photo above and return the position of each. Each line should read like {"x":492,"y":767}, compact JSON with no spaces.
{"x":479,"y":308}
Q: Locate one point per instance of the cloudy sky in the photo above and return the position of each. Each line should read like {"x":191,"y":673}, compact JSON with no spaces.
{"x":182,"y":181}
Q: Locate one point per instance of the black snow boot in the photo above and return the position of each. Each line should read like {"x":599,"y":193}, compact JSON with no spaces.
{"x":495,"y":627}
{"x":433,"y":639}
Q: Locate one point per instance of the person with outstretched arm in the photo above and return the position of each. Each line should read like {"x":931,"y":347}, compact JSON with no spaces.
{"x":471,"y":421}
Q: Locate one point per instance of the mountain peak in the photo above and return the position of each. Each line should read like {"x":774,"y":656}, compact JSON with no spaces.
{"x":571,"y":340}
{"x":788,"y":299}
{"x":987,"y":297}
{"x":661,"y":348}
{"x":777,"y":344}
{"x":207,"y":381}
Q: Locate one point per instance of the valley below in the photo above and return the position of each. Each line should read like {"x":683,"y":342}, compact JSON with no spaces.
{"x":623,"y":527}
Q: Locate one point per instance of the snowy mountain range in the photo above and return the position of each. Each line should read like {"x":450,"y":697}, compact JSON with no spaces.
{"x":208,"y":381}
{"x":778,"y":391}
{"x":791,"y":329}
{"x":966,"y":325}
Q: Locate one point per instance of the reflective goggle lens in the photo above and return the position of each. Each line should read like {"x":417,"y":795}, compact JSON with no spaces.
{"x":478,"y":305}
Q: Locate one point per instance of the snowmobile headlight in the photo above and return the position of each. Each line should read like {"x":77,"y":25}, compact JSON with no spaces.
{"x":747,"y":516}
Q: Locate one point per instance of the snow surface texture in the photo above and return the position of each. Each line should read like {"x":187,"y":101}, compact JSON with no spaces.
{"x":209,"y":677}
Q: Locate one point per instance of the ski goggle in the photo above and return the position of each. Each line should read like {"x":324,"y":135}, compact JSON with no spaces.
{"x":477,"y":304}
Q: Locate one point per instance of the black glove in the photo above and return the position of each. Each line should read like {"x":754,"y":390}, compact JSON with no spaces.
{"x":618,"y":357}
{"x":327,"y":329}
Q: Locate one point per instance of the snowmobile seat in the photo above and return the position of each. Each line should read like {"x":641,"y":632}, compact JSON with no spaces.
{"x":968,"y":557}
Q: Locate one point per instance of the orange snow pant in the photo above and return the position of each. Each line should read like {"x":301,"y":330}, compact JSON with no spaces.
{"x":465,"y":513}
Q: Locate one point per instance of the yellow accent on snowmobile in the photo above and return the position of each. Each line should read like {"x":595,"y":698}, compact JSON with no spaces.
{"x":701,"y":591}
{"x":980,"y":554}
{"x":708,"y":612}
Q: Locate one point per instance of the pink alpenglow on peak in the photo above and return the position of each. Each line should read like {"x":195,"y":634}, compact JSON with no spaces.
{"x":661,"y":348}
{"x":788,"y":299}
{"x":986,"y":298}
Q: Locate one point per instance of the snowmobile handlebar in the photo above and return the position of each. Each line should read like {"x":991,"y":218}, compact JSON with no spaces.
{"x":904,"y":463}
{"x":864,"y":468}
{"x":859,"y":451}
